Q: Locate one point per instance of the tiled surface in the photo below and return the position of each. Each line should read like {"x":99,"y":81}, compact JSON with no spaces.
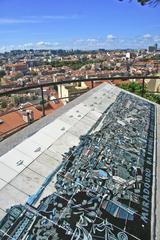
{"x":42,"y":139}
{"x":50,"y":158}
{"x":6,"y":173}
{"x":55,"y":129}
{"x":66,"y":141}
{"x":43,"y":169}
{"x":28,"y":181}
{"x":16,"y":160}
{"x":2,"y":183}
{"x":79,"y":129}
{"x":10,"y":196}
{"x":30,"y":148}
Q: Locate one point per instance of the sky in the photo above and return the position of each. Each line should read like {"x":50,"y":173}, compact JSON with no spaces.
{"x":77,"y":24}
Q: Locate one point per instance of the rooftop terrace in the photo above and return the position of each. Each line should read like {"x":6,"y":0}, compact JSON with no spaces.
{"x":88,"y":171}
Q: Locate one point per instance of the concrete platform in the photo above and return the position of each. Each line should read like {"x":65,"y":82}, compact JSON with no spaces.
{"x":28,"y":157}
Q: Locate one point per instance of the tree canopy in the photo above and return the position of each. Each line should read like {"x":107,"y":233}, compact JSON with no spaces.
{"x":136,"y":88}
{"x":147,"y":2}
{"x":2,"y":73}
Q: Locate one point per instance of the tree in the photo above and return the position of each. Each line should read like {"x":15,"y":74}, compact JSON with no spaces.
{"x":2,"y":73}
{"x":3,"y":104}
{"x":136,"y":88}
{"x":147,"y":2}
{"x":133,"y":87}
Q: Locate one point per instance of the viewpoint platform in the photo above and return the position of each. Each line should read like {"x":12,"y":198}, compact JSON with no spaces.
{"x":89,"y":171}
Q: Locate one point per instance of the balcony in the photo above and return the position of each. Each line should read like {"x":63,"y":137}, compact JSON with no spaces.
{"x":21,"y":116}
{"x":93,"y":159}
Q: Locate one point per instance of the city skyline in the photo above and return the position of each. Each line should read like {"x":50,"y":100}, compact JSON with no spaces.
{"x":77,"y":25}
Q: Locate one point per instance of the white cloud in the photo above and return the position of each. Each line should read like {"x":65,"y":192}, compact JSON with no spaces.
{"x":18,"y":21}
{"x":60,"y":17}
{"x":147,"y":36}
{"x":111,"y":42}
{"x":92,"y":40}
{"x":37,"y":19}
{"x":43,"y":43}
{"x":110,"y":37}
{"x":28,"y":45}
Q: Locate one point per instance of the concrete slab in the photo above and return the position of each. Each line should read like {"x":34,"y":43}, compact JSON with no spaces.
{"x":56,"y":129}
{"x":16,"y":159}
{"x":2,"y":214}
{"x":2,"y":183}
{"x":11,"y":196}
{"x":48,"y":159}
{"x":88,"y":121}
{"x":79,"y":129}
{"x":27,"y":182}
{"x":54,"y":155}
{"x":75,"y":113}
{"x":43,"y":169}
{"x":69,"y":118}
{"x":93,"y":115}
{"x":30,"y":148}
{"x":82,"y":109}
{"x":42,"y":139}
{"x":6,"y":173}
{"x":63,"y":144}
{"x":101,"y":108}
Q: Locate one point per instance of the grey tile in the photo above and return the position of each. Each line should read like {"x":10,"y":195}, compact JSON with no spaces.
{"x":11,"y":196}
{"x":28,"y":181}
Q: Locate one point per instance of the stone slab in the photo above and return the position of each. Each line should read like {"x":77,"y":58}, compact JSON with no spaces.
{"x":56,"y":129}
{"x":28,"y":181}
{"x":43,"y":169}
{"x":11,"y":196}
{"x":16,"y":160}
{"x":2,"y":183}
{"x":6,"y":173}
{"x":42,"y":139}
{"x":63,"y":144}
{"x":30,"y":148}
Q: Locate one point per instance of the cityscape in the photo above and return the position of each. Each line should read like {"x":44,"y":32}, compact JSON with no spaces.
{"x":79,"y":120}
{"x":104,"y":186}
{"x":26,"y":69}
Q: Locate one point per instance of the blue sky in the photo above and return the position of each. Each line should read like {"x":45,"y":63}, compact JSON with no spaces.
{"x":82,"y":24}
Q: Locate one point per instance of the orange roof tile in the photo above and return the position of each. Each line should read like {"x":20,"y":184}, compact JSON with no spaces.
{"x":11,"y":122}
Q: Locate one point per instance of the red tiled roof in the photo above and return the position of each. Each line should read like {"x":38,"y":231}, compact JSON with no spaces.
{"x":11,"y":121}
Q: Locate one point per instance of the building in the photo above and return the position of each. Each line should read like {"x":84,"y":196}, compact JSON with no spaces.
{"x":153,"y":85}
{"x":153,"y":48}
{"x":70,"y":91}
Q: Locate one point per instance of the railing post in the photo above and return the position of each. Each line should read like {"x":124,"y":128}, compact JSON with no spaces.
{"x":42,"y":97}
{"x":142,"y":93}
{"x":92,"y":83}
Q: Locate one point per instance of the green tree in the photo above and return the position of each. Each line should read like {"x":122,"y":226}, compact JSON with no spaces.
{"x":136,"y":88}
{"x":2,"y":73}
{"x":133,"y":87}
{"x":3,"y":104}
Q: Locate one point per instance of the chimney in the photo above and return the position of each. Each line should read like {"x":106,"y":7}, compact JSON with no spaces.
{"x":28,"y":116}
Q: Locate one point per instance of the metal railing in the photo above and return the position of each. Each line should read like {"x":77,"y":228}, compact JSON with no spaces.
{"x":6,"y":92}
